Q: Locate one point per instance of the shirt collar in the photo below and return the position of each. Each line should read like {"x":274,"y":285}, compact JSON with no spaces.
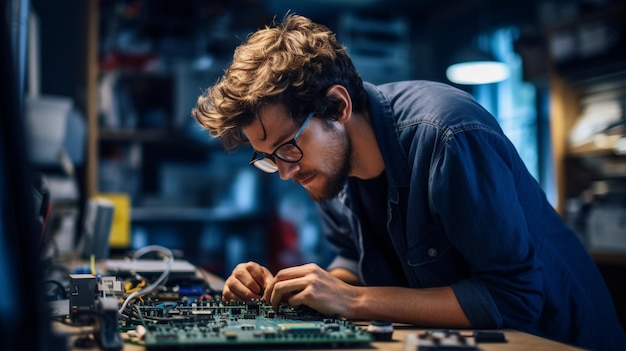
{"x":386,"y":131}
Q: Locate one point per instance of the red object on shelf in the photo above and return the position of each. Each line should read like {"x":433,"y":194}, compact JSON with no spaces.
{"x":117,"y":60}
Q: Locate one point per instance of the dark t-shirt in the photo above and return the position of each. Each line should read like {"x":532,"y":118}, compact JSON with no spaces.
{"x":372,"y":207}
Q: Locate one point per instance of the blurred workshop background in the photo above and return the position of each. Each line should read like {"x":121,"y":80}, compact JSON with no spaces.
{"x":110,"y":86}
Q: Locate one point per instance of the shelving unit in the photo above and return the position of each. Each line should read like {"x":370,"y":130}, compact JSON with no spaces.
{"x":584,"y":172}
{"x":588,"y":125}
{"x":144,"y":143}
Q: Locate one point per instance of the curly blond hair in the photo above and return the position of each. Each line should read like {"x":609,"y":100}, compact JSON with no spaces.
{"x":294,"y":63}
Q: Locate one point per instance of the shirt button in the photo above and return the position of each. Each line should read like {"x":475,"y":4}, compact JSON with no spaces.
{"x":432,"y":252}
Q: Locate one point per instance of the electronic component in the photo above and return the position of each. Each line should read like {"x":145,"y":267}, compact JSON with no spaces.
{"x":439,"y":340}
{"x":110,"y":285}
{"x":106,"y":329}
{"x":380,"y":330}
{"x":213,"y":323}
{"x":489,"y":337}
{"x":150,"y":268}
{"x":82,"y":298}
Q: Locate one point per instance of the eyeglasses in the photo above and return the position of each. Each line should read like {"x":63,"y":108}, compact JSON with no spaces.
{"x":288,"y":152}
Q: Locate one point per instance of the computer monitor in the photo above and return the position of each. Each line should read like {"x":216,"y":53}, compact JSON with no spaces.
{"x":24,"y":322}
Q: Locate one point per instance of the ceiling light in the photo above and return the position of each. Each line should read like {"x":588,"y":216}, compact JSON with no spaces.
{"x":476,"y":67}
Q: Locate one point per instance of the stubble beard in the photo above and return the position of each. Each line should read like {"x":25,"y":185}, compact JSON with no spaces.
{"x":340,"y":164}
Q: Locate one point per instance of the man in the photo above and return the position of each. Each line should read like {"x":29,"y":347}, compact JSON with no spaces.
{"x":435,"y":219}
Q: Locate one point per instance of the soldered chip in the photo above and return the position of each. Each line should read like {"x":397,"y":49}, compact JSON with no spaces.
{"x":304,"y":328}
{"x":230,"y":334}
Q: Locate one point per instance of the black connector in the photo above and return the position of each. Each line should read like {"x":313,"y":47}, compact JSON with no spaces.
{"x":82,"y":296}
{"x":489,"y":337}
{"x":106,"y":329}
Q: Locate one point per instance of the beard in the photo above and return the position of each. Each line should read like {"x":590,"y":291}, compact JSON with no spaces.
{"x":334,"y":176}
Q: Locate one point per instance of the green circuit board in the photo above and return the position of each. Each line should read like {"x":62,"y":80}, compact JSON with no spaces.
{"x":245,"y":324}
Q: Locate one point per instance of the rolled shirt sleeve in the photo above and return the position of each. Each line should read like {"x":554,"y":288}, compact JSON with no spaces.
{"x":475,"y":191}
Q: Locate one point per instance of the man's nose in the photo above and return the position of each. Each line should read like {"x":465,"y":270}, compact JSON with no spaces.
{"x":286,"y":170}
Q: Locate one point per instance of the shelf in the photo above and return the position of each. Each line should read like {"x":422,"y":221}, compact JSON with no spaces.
{"x":154,"y":136}
{"x":193,"y":214}
{"x":609,"y":145}
{"x":145,"y":135}
{"x":578,"y":61}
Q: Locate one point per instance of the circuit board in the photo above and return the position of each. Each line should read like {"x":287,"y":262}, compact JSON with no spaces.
{"x":244,"y":324}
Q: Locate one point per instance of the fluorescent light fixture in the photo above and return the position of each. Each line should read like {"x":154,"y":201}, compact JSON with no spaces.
{"x":471,"y":65}
{"x":477,"y":72}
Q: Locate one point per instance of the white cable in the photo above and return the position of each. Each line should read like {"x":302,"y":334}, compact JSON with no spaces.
{"x":162,"y":278}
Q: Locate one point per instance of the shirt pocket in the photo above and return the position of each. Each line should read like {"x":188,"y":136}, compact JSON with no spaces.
{"x":433,"y":261}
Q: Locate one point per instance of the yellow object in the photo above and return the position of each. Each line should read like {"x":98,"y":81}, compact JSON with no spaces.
{"x":130,"y":287}
{"x":92,"y":265}
{"x":120,"y":228}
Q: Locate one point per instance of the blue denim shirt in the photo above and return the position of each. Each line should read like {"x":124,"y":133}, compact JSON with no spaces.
{"x":463,"y":211}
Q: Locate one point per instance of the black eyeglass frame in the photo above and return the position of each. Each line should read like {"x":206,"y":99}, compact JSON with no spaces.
{"x":267,"y":162}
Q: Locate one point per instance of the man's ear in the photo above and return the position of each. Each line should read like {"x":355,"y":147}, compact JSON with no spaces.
{"x":345,"y":109}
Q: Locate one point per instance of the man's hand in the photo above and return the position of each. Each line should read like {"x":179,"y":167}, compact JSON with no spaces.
{"x":248,"y":281}
{"x":325,"y":292}
{"x":312,"y":286}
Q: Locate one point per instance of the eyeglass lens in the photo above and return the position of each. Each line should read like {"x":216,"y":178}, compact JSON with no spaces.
{"x":288,"y":152}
